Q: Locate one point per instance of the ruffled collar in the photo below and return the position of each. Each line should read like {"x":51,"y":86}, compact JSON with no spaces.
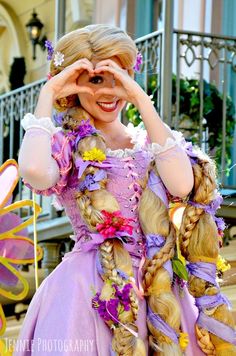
{"x":138,"y":138}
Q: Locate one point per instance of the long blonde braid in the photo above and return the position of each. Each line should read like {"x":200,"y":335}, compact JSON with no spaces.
{"x":157,"y":281}
{"x":112,"y":255}
{"x":199,"y":240}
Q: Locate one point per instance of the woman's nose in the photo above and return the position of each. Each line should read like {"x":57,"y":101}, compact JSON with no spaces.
{"x":109,"y":81}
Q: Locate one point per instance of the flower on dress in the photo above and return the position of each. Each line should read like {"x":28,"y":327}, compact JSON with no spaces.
{"x":50,"y":50}
{"x":15,"y":248}
{"x":113,"y":224}
{"x":138,"y":63}
{"x":222,"y":265}
{"x":58,"y":59}
{"x":183,"y":340}
{"x":119,"y":301}
{"x":95,"y":154}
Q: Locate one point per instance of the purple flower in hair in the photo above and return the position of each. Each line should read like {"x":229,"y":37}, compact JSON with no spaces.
{"x":107,"y":309}
{"x":83,"y":130}
{"x":138,"y":63}
{"x":49,"y":48}
{"x":58,"y":118}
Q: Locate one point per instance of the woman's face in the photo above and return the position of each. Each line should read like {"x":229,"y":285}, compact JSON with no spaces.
{"x":101,"y":107}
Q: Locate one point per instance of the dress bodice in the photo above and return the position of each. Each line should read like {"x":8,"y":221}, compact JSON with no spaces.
{"x":124,"y":178}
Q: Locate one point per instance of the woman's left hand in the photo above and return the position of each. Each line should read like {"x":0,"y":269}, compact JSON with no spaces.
{"x":125,"y":87}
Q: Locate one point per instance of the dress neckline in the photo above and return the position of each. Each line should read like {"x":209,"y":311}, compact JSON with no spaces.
{"x":138,"y":137}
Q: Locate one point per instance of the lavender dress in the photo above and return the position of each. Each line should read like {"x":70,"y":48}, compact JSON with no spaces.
{"x":60,"y":319}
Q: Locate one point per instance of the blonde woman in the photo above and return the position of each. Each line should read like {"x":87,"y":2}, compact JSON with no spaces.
{"x":95,"y":302}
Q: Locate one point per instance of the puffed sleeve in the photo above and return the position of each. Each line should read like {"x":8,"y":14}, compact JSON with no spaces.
{"x":45,"y":157}
{"x":174,"y":165}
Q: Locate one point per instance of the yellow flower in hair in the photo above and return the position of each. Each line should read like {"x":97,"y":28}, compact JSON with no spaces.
{"x":222,"y":265}
{"x":183,"y":340}
{"x":95,"y":154}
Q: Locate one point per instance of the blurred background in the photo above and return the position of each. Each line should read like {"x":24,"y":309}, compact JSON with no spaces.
{"x":189,"y":69}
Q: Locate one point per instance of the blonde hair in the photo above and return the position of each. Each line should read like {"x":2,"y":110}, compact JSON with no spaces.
{"x":101,"y":42}
{"x":199,"y":241}
{"x":157,"y":281}
{"x":94,"y":42}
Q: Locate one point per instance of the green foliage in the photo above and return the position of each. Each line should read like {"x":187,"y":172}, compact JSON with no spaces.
{"x":179,"y":269}
{"x":189,"y":116}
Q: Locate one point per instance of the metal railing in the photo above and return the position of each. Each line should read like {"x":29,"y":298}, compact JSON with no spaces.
{"x":206,"y":62}
{"x":13,"y":106}
{"x":213,"y":58}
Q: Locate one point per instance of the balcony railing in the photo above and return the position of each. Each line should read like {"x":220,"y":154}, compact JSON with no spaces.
{"x":210,"y":61}
{"x":204,"y":57}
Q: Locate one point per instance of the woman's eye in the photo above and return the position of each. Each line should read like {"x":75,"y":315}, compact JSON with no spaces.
{"x":96,"y":80}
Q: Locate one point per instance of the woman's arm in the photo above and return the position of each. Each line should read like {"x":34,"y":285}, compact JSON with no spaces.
{"x":175,"y":168}
{"x":36,"y":164}
{"x":173,"y":164}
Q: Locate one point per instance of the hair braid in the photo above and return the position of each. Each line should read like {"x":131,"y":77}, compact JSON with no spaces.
{"x":112,"y":255}
{"x":156,"y":280}
{"x":199,"y":241}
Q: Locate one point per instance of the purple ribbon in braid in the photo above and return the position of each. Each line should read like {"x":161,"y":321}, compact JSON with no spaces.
{"x":211,"y":301}
{"x":203,"y":270}
{"x":91,"y":181}
{"x":217,"y":328}
{"x":161,"y":325}
{"x":153,"y":245}
{"x":211,"y":209}
{"x":81,"y":165}
{"x":157,"y":187}
{"x":207,"y":271}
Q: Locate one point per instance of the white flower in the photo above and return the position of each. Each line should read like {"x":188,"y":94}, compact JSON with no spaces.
{"x":58,"y":59}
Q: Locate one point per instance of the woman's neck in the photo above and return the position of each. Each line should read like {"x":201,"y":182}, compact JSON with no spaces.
{"x":114,"y":133}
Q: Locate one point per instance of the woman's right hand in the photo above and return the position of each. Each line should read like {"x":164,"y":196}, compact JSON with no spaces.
{"x":65,"y":83}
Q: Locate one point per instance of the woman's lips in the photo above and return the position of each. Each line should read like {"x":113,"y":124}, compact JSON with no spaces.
{"x":108,"y":107}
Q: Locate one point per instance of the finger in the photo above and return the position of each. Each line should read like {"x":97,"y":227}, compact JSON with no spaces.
{"x":118,"y":75}
{"x":78,"y":67}
{"x":107,"y":69}
{"x":108,"y":62}
{"x":82,"y":61}
{"x":85,"y":90}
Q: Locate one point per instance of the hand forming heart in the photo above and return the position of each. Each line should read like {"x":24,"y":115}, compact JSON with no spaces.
{"x":125,"y":87}
{"x":67,"y":81}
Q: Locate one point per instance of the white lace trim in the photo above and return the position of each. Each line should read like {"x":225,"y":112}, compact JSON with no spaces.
{"x":139,"y":137}
{"x":45,"y":123}
{"x":177,"y":140}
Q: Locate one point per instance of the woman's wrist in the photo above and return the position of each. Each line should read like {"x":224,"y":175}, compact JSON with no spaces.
{"x":141,"y":98}
{"x":45,"y":103}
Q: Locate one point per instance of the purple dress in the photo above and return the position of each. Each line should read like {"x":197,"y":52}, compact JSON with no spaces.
{"x":60,"y":318}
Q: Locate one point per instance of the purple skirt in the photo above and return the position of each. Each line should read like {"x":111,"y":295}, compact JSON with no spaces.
{"x":61,"y":321}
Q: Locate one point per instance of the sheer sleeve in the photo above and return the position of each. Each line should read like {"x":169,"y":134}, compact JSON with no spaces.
{"x":45,"y":157}
{"x":174,"y":165}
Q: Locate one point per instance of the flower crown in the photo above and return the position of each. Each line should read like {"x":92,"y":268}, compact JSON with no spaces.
{"x":59,"y":57}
